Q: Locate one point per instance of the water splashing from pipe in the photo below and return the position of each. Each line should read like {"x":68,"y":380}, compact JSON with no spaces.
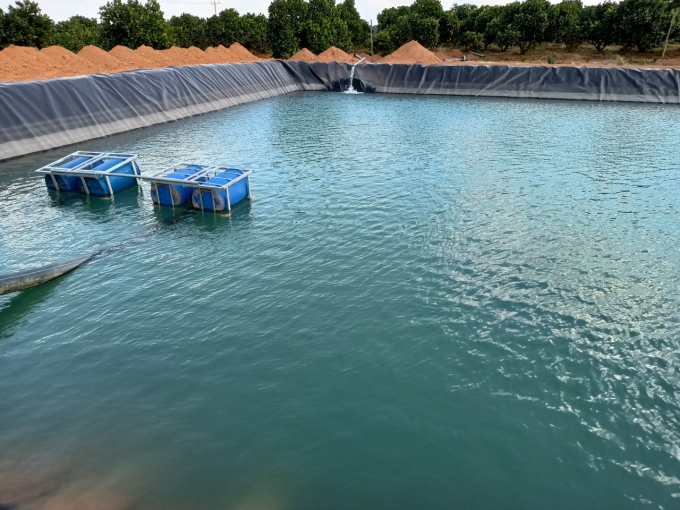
{"x":351,"y":89}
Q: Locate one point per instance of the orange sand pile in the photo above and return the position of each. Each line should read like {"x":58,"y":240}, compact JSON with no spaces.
{"x":334,"y":54}
{"x":103,"y":60}
{"x":66,"y":62}
{"x":304,"y":54}
{"x":130,"y":58}
{"x":21,"y":63}
{"x":412,"y":52}
{"x":176,"y":57}
{"x":153,"y":57}
{"x":196,"y":55}
{"x":441,"y":55}
{"x":220,"y":55}
{"x":242,"y":54}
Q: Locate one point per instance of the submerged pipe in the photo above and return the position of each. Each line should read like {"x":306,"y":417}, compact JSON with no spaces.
{"x":33,"y":277}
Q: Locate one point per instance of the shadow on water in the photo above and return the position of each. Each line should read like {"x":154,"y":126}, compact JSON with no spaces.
{"x":126,"y":199}
{"x":97,"y":204}
{"x":171,"y":215}
{"x":208,"y":221}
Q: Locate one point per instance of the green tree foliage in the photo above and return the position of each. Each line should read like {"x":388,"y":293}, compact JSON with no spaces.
{"x":427,"y":9}
{"x":424,"y":21}
{"x":425,"y":30}
{"x":319,"y":24}
{"x":359,"y":31}
{"x":467,"y":16}
{"x":448,"y":27}
{"x":472,"y":41}
{"x":132,"y":24}
{"x":388,"y":17}
{"x":286,"y":27}
{"x":188,"y":30}
{"x":500,"y":29}
{"x":642,"y":23}
{"x":382,"y":42}
{"x":484,"y":18}
{"x":325,"y":27}
{"x":26,"y":25}
{"x":530,"y":23}
{"x":223,"y":28}
{"x":76,"y":33}
{"x":3,"y":35}
{"x":598,"y":24}
{"x":564,"y":24}
{"x":253,"y":32}
{"x":401,"y":32}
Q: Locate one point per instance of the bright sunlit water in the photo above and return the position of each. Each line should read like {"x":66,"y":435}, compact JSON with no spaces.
{"x":430,"y":303}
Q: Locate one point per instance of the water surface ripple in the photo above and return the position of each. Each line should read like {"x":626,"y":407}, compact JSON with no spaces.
{"x":431,"y":303}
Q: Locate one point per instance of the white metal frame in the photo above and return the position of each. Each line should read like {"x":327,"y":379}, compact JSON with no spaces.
{"x":207,"y":172}
{"x":82,"y":171}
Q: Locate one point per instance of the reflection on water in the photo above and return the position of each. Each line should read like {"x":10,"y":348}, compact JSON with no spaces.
{"x":427,"y":297}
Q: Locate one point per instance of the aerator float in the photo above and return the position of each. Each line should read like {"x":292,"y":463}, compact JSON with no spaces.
{"x":205,"y":187}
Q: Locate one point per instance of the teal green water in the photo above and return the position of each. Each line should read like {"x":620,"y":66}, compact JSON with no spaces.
{"x":430,"y":303}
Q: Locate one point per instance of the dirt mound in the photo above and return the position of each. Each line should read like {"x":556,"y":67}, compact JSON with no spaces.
{"x":376,"y":58}
{"x":441,"y":55}
{"x":24,"y":55}
{"x":412,"y":52}
{"x":213,"y":56}
{"x":454,"y":53}
{"x":220,"y":55}
{"x":242,"y":53}
{"x":158,"y":58}
{"x":100,"y":58}
{"x":304,"y":54}
{"x":196,"y":55}
{"x":334,"y":54}
{"x":221,"y":50}
{"x":21,"y":63}
{"x":130,"y":58}
{"x":66,"y":62}
{"x":176,"y":56}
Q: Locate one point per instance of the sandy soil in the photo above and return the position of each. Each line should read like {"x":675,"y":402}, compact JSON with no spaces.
{"x":304,"y":54}
{"x":334,"y":54}
{"x":20,"y":63}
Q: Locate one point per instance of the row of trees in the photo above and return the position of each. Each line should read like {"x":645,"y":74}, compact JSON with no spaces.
{"x":316,"y":25}
{"x":319,"y":24}
{"x":639,"y":24}
{"x":291,"y":26}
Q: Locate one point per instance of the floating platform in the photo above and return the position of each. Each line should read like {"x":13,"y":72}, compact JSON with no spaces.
{"x":207,"y":187}
{"x":93,"y":173}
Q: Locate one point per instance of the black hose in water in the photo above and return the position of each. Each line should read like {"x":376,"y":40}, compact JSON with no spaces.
{"x":22,"y":280}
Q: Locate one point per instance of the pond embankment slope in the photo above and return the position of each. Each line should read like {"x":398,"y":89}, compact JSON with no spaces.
{"x":41,"y":115}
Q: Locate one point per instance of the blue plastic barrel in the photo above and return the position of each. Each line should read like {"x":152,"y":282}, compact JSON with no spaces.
{"x":173,"y":194}
{"x":99,"y":186}
{"x":216,"y":199}
{"x":66,"y":182}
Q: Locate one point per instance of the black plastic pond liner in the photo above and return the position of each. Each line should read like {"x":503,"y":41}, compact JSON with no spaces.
{"x":41,"y":115}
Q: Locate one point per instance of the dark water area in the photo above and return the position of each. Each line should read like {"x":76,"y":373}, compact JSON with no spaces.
{"x":431,"y":302}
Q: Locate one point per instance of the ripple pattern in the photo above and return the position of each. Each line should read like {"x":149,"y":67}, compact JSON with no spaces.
{"x":432,"y":302}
